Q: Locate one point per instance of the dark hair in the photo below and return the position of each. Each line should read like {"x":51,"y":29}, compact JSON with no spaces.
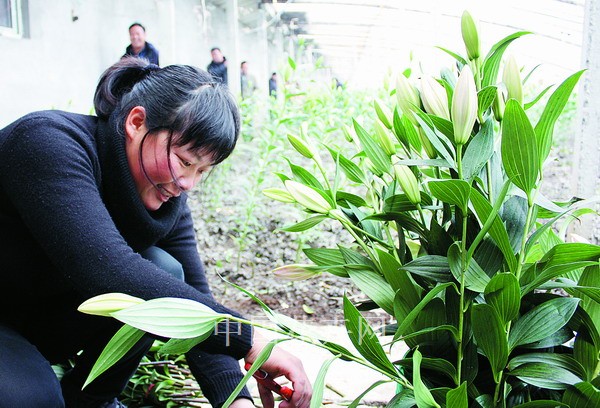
{"x":137,"y":24}
{"x":242,"y":64}
{"x":182,"y":99}
{"x":215,"y":49}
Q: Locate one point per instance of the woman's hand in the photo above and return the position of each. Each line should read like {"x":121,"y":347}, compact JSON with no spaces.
{"x":282,"y":363}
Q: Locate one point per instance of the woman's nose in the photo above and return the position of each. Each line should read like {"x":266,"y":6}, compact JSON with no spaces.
{"x":188,"y":181}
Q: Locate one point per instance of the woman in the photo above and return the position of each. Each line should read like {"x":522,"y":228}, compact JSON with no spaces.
{"x":92,"y":205}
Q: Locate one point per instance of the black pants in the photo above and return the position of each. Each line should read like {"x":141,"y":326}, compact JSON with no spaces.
{"x":26,"y":376}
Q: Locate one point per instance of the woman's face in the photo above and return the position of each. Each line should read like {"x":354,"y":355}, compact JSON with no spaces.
{"x":153,"y":178}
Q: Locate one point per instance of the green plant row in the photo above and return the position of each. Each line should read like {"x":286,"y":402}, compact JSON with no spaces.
{"x":454,"y":240}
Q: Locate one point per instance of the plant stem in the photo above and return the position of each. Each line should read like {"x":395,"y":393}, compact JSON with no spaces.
{"x":399,"y":378}
{"x":463,"y":268}
{"x":530,"y":205}
{"x":488,"y":169}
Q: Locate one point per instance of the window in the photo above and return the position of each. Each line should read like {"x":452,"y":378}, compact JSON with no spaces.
{"x":11,"y":17}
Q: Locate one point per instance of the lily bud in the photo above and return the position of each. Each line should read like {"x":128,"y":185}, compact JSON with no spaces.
{"x":308,"y":197}
{"x":302,"y":147}
{"x":294,"y":272}
{"x":104,"y":305}
{"x":427,"y":146}
{"x":512,"y":80}
{"x":499,"y":105}
{"x":464,"y":106}
{"x":279,"y":194}
{"x":348,"y":132}
{"x":408,"y":182}
{"x":385,"y":139}
{"x":407,"y":96}
{"x":435,"y":98}
{"x":383,"y":113}
{"x":468,"y":28}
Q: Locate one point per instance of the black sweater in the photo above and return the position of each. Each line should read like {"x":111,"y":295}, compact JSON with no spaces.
{"x":72,"y":224}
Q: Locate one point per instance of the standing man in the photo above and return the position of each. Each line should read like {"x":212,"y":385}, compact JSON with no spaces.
{"x":139,"y":47}
{"x":273,"y":85}
{"x":218,"y":66}
{"x":247,"y":81}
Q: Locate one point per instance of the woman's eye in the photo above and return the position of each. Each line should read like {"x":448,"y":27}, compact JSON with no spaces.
{"x":186,"y":163}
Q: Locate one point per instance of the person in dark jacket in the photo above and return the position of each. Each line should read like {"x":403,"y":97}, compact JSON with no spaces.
{"x":218,"y":66}
{"x":139,"y":47}
{"x":96,"y":204}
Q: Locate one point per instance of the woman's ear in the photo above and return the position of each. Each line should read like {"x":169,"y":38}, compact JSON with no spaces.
{"x":135,"y":123}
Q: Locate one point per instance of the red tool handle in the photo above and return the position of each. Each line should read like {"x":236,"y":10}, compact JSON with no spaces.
{"x":264,"y":379}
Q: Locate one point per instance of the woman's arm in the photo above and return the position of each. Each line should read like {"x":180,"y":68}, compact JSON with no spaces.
{"x":50,"y":173}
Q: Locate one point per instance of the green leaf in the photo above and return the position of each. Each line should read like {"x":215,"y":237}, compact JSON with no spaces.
{"x":454,"y":192}
{"x":503,"y":293}
{"x":491,"y":62}
{"x":542,"y":404}
{"x":182,"y":346}
{"x":260,"y":359}
{"x":433,"y":267}
{"x":553,"y":272}
{"x":117,"y":347}
{"x":305,"y":224}
{"x":443,"y":125}
{"x":375,"y":287}
{"x":305,"y":177}
{"x":436,"y":364}
{"x":545,"y":376}
{"x":431,"y":135}
{"x":454,"y":55}
{"x":520,"y":154}
{"x":352,"y":171}
{"x":485,"y":98}
{"x":405,"y":324}
{"x":357,"y":400}
{"x":497,"y":230}
{"x":352,"y":257}
{"x":489,"y":333}
{"x":405,"y":131}
{"x":539,"y":96}
{"x":422,"y":394}
{"x":571,"y":252}
{"x":171,"y":317}
{"x":479,"y":151}
{"x":591,"y":278}
{"x":457,"y":398}
{"x":292,"y":63}
{"x":319,"y":384}
{"x":365,"y":340}
{"x":398,"y":279}
{"x":375,"y":153}
{"x":563,"y":361}
{"x":551,"y":113}
{"x":324,"y":256}
{"x":475,"y":277}
{"x":542,"y":321}
{"x":345,"y":199}
{"x":582,"y":395}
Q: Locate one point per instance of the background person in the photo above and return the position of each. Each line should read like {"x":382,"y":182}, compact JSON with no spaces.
{"x":247,"y":81}
{"x":218,"y":66}
{"x":273,"y":84}
{"x":139,"y":47}
{"x":96,"y":205}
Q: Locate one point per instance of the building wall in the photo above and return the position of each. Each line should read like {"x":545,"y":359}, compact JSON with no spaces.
{"x":71,"y":42}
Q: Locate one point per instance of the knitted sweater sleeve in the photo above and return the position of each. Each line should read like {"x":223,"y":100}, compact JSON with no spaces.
{"x":50,"y":172}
